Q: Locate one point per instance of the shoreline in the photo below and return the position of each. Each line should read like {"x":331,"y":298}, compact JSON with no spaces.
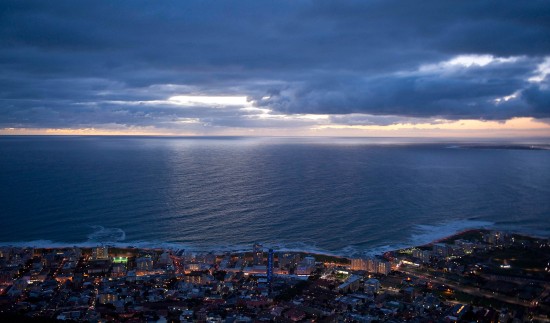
{"x":128,"y":247}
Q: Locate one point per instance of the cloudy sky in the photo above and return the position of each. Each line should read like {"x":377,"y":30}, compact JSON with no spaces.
{"x":350,"y":68}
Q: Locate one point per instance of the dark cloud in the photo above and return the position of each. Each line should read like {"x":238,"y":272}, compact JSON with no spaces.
{"x":454,"y":93}
{"x":67,"y":63}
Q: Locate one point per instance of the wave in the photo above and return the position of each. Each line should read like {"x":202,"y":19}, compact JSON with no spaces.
{"x":422,"y":234}
{"x":426,"y":233}
{"x":102,"y":234}
{"x":174,"y":246}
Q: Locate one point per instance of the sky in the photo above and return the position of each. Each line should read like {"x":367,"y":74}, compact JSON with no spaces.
{"x":274,"y":68}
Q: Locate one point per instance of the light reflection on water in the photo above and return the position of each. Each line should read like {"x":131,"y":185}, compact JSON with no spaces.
{"x":324,"y":194}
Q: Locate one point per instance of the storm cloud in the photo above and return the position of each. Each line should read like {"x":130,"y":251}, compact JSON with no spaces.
{"x":74,"y":64}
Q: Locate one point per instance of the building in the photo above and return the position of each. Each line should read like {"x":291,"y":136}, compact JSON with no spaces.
{"x":118,"y":270}
{"x":309,"y":261}
{"x":467,"y":246}
{"x":258,"y":254}
{"x":440,"y":250}
{"x":192,"y":267}
{"x":409,"y":294}
{"x":372,"y":285}
{"x":423,"y":255}
{"x":304,"y":270}
{"x":165,"y":259}
{"x":100,"y":253}
{"x":359,"y":264}
{"x":497,"y":238}
{"x":351,"y":284}
{"x":144,"y":264}
{"x":371,"y":265}
{"x":383,"y":267}
{"x":107,"y":298}
{"x":288,"y":259}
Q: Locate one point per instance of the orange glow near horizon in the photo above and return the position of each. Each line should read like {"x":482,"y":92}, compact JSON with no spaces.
{"x":520,"y":127}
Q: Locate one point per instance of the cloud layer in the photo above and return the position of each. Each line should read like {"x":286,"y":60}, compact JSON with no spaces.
{"x":66,"y":64}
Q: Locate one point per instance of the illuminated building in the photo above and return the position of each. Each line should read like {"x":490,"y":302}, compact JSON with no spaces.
{"x":194,"y":278}
{"x":192,"y":267}
{"x":467,"y":246}
{"x":497,"y":238}
{"x":371,"y":265}
{"x":108,"y":298}
{"x":144,"y":264}
{"x":120,"y":260}
{"x":100,"y":253}
{"x":118,"y":270}
{"x":288,"y":259}
{"x":359,"y":264}
{"x":383,"y":267}
{"x":258,"y":255}
{"x":423,"y":255}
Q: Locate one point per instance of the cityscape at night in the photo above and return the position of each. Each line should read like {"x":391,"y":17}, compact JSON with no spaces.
{"x":474,"y":276}
{"x":257,"y":161}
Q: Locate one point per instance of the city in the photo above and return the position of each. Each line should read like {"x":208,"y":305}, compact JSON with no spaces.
{"x":473,"y":276}
{"x":280,"y":161}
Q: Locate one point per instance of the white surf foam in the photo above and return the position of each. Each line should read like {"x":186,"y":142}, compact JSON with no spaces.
{"x":105,"y":235}
{"x":422,"y":234}
{"x":426,"y":233}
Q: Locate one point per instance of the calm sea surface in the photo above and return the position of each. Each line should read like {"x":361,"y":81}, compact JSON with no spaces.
{"x":343,"y":196}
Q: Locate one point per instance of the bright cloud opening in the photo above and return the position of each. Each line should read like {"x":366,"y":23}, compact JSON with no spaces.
{"x":467,"y":61}
{"x":507,"y":97}
{"x":543,"y":70}
{"x":194,"y":100}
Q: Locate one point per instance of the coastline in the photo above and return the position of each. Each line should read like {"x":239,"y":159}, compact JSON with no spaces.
{"x":467,"y":234}
{"x":484,"y":268}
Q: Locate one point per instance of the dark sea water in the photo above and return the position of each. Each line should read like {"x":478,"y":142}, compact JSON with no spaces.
{"x":343,"y":196}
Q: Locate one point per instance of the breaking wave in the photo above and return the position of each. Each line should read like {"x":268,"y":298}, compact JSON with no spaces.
{"x":106,"y":235}
{"x":116,"y":237}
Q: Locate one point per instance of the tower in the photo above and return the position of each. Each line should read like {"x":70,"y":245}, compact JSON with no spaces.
{"x":269,"y":267}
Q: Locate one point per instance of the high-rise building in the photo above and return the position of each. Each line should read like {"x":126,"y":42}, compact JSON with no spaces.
{"x":258,"y":254}
{"x":100,"y":253}
{"x":423,"y":255}
{"x":359,"y":264}
{"x":144,"y":264}
{"x":288,"y":259}
{"x":384,"y":267}
{"x":371,"y":265}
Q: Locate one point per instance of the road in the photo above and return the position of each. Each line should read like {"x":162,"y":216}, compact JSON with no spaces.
{"x":468,"y":289}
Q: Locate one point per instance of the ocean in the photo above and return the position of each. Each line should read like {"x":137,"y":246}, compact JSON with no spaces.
{"x":343,"y":196}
